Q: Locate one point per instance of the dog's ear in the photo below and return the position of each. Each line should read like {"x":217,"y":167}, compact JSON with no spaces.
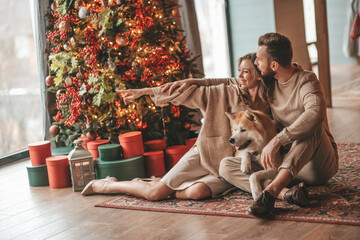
{"x":231,"y":116}
{"x":250,"y":115}
{"x":254,"y":116}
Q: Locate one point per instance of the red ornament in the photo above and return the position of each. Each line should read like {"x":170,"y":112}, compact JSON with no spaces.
{"x":92,"y":135}
{"x":175,"y":13}
{"x":187,"y":126}
{"x":175,"y":110}
{"x":54,"y":130}
{"x":49,"y":80}
{"x":142,"y":125}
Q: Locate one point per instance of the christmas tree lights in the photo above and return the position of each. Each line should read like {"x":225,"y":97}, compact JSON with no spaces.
{"x":97,"y":46}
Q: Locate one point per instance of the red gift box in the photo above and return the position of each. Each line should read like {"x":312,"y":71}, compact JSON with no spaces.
{"x":155,"y":145}
{"x":86,"y":140}
{"x":173,"y":155}
{"x":93,"y":147}
{"x":58,"y":171}
{"x":190,"y":142}
{"x":132,"y":144}
{"x":39,"y":151}
{"x":154,"y":163}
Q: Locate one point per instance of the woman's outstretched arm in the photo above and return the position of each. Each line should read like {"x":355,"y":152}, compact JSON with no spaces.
{"x":130,"y":95}
{"x":181,"y":85}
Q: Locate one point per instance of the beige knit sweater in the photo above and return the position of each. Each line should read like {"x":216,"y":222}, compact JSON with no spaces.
{"x":299,"y":107}
{"x":213,"y":101}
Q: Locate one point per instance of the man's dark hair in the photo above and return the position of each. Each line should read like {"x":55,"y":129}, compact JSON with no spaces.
{"x":278,"y":47}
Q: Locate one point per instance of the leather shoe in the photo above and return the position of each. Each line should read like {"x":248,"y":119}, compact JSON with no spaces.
{"x":297,"y":195}
{"x":263,"y":206}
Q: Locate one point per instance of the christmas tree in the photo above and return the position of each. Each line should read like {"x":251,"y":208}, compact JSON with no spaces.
{"x":97,"y":46}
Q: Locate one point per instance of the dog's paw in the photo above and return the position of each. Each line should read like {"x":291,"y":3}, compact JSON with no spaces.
{"x":245,"y":168}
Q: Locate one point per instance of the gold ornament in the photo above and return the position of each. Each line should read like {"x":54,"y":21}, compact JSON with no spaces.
{"x":80,"y":76}
{"x":73,"y":41}
{"x":122,"y":41}
{"x":78,"y":4}
{"x":66,"y":47}
{"x":54,"y":6}
{"x":59,"y":92}
{"x":68,"y":81}
{"x":64,"y":26}
{"x":135,"y":64}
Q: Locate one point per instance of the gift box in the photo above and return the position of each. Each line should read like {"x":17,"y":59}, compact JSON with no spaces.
{"x":58,"y":171}
{"x":173,"y":155}
{"x":154,"y":163}
{"x":110,"y":152}
{"x":123,"y":170}
{"x":39,"y":151}
{"x":38,"y":175}
{"x":190,"y":142}
{"x":132,"y":144}
{"x":86,"y":140}
{"x":61,"y":151}
{"x":93,"y":146}
{"x":155,"y":145}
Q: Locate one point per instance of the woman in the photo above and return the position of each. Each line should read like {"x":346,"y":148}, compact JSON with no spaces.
{"x":196,"y":175}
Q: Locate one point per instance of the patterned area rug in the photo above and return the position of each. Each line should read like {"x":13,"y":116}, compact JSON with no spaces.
{"x":337,"y":202}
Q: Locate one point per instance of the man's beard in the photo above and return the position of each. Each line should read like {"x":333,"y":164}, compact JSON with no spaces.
{"x":268,"y":73}
{"x":268,"y":76}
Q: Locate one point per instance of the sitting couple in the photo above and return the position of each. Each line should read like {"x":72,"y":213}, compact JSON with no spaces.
{"x":267,"y":82}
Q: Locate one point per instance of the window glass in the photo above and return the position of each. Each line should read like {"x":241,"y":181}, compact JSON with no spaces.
{"x":213,"y":36}
{"x":20,"y":107}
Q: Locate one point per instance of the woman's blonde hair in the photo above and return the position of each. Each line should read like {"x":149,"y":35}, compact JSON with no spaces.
{"x":262,"y":92}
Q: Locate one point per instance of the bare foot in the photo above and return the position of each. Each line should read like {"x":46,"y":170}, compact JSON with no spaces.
{"x":111,"y":179}
{"x":102,"y":186}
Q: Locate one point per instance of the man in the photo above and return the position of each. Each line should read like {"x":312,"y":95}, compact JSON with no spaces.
{"x":298,"y":105}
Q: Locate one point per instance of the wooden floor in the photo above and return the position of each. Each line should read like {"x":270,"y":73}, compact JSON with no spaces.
{"x":42,"y":213}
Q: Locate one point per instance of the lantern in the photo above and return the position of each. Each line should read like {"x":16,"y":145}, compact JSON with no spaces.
{"x":81,"y":166}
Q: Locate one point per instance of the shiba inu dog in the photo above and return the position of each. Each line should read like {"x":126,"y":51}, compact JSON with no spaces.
{"x":251,"y":131}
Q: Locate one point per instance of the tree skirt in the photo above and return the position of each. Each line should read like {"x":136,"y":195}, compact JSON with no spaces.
{"x":337,"y":202}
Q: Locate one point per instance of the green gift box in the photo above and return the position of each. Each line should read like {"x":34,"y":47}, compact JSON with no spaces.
{"x":38,"y":175}
{"x":123,"y":170}
{"x":110,"y":152}
{"x":61,"y":151}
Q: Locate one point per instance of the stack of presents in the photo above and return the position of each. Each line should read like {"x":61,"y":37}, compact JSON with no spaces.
{"x":63,"y":167}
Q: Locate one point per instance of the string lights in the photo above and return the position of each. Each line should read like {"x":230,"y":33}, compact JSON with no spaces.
{"x":112,"y":44}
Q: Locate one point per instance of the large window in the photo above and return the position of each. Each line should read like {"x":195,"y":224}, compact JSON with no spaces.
{"x":20,"y":107}
{"x":213,"y":36}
